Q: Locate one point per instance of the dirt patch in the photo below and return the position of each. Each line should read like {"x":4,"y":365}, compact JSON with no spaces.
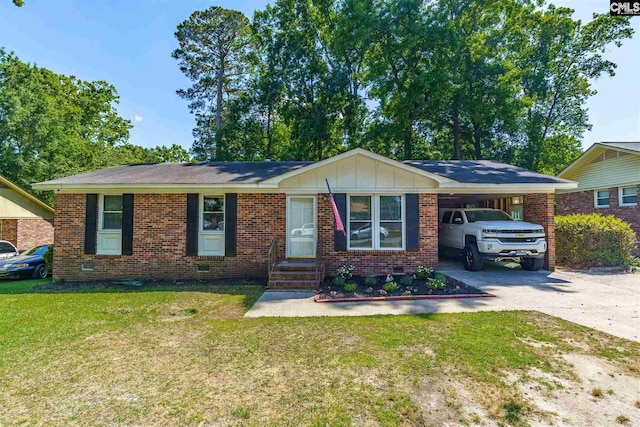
{"x":598,"y":396}
{"x":448,"y":402}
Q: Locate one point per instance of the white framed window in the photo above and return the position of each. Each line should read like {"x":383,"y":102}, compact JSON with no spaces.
{"x":211,"y":231}
{"x":376,"y":222}
{"x":628,"y":196}
{"x":109,"y":225}
{"x":601,"y":198}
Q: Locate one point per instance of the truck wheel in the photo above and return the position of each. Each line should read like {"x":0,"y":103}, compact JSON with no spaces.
{"x":472,"y":259}
{"x":532,"y":264}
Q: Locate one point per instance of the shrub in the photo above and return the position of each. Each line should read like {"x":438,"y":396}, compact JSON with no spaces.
{"x":48,"y":260}
{"x":391,"y":287}
{"x":406,"y":281}
{"x":593,"y":240}
{"x":438,"y":282}
{"x":350,"y":287}
{"x":423,"y":272}
{"x":369,"y":291}
{"x":339,"y":281}
{"x":371,"y":281}
{"x":346,"y":271}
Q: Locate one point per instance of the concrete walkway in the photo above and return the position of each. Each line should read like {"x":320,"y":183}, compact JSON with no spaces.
{"x":607,"y":302}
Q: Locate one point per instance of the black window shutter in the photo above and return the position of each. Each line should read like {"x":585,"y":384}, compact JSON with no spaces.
{"x":339,"y":238}
{"x":127,"y":224}
{"x":192,"y":223}
{"x":90,"y":224}
{"x":413,"y":222}
{"x":230,"y":224}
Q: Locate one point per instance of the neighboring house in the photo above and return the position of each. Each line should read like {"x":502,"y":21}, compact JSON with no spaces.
{"x":25,"y":221}
{"x":608,"y":176}
{"x":219,"y":219}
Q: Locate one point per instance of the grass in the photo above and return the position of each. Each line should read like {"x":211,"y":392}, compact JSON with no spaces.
{"x":184,"y":355}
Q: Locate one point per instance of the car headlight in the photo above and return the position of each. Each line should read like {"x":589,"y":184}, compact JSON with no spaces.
{"x":8,"y":266}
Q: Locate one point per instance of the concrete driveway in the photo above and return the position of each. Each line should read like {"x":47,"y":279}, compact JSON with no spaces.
{"x":607,"y":302}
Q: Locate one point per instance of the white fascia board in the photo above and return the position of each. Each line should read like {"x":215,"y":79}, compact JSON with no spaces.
{"x":360,"y":151}
{"x":464,"y":188}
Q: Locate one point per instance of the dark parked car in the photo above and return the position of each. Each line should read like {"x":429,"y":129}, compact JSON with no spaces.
{"x":27,"y":264}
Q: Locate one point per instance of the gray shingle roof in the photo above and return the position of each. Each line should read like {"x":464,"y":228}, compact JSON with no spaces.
{"x":184,"y":173}
{"x":483,"y":172}
{"x":466,"y":171}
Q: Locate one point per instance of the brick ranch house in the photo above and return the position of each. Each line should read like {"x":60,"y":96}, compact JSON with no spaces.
{"x":227,"y":219}
{"x":608,"y":176}
{"x":25,"y":220}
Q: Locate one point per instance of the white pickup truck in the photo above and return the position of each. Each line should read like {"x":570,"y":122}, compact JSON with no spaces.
{"x":491,"y":234}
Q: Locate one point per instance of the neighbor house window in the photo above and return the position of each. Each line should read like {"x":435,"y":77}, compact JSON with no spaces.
{"x":110,"y":225}
{"x":211,"y":235}
{"x":628,"y":196}
{"x":601,"y":198}
{"x":376,"y":222}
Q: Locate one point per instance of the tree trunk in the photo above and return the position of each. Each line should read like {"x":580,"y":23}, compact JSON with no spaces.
{"x":219,"y":94}
{"x":455,"y":116}
{"x":477,"y":135}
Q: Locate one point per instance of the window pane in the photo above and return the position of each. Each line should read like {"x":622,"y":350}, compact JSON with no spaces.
{"x":213,"y":204}
{"x":391,"y":208}
{"x":602,"y":197}
{"x":446,"y":218}
{"x":360,"y":235}
{"x":391,"y":235}
{"x":360,"y":208}
{"x":630,"y":191}
{"x":112,"y":221}
{"x":113,"y":203}
{"x":213,"y":221}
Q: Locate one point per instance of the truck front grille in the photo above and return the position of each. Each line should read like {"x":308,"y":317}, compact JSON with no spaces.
{"x":517,"y":239}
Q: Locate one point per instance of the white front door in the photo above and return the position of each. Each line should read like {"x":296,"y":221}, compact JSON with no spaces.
{"x":301,"y":226}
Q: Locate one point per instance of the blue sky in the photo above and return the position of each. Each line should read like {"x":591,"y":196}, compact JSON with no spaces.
{"x":129,"y":44}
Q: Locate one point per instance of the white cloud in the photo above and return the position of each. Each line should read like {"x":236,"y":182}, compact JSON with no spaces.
{"x":137,"y":118}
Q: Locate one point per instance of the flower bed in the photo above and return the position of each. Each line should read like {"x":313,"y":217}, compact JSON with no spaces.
{"x":431,"y":285}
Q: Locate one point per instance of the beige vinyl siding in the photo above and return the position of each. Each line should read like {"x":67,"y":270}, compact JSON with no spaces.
{"x":16,"y":206}
{"x":612,"y":172}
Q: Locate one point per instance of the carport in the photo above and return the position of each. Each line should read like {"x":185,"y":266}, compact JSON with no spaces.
{"x":537,"y":208}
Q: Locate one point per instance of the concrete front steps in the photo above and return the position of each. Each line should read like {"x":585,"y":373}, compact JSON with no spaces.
{"x":296,"y":274}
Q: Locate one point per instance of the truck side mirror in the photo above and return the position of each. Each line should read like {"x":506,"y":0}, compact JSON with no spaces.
{"x":457,"y":220}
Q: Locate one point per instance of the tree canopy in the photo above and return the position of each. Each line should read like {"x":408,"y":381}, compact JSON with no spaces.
{"x":459,"y":79}
{"x":52,"y":125}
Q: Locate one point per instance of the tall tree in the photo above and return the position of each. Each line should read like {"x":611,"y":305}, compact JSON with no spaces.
{"x":212,"y":54}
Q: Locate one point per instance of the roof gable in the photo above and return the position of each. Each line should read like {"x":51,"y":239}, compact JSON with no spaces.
{"x":598,"y":152}
{"x":17,"y":203}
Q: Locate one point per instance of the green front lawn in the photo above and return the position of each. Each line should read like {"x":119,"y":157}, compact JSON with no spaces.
{"x":184,"y":355}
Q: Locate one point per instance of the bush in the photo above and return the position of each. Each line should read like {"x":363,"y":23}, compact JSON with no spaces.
{"x":339,"y":281}
{"x":48,"y":260}
{"x":391,"y":287}
{"x":437,"y":283}
{"x":423,"y":272}
{"x":346,"y":271}
{"x":350,"y":287}
{"x":371,"y":281}
{"x":593,"y":240}
{"x":406,"y":281}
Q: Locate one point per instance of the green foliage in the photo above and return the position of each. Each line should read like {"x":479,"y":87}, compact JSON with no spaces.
{"x":346,"y":271}
{"x":339,"y":281}
{"x":350,"y":287}
{"x":437,"y":283}
{"x":593,"y":240}
{"x":406,"y":281}
{"x":48,"y":260}
{"x":391,"y":287}
{"x":423,"y":272}
{"x":371,"y":281}
{"x":52,"y":125}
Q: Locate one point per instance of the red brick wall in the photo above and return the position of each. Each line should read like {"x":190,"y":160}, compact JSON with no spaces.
{"x":582,"y":202}
{"x":539,"y":209}
{"x":160,"y":238}
{"x":381,"y":262}
{"x":9,"y":229}
{"x":27,"y":233}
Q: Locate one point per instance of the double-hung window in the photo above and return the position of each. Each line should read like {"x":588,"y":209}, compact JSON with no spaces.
{"x":376,"y":222}
{"x":601,"y":198}
{"x":628,"y":196}
{"x":110,"y":225}
{"x":211,"y":235}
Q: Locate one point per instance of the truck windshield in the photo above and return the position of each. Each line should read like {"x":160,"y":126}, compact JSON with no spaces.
{"x":488,"y":215}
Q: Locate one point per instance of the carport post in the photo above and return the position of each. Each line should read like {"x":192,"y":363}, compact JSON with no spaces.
{"x":539,"y":209}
